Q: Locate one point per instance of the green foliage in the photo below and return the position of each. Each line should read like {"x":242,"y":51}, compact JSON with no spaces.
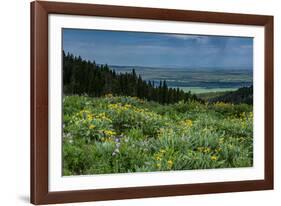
{"x":126,"y":134}
{"x":85,"y":77}
{"x":242,"y":95}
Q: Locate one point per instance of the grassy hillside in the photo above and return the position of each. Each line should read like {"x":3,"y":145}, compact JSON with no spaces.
{"x":210,"y":95}
{"x":242,"y":95}
{"x":126,"y":134}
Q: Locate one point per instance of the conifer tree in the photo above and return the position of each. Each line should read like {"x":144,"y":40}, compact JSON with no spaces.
{"x":85,"y":77}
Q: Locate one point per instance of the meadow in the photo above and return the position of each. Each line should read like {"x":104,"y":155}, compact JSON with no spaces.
{"x":122,"y":134}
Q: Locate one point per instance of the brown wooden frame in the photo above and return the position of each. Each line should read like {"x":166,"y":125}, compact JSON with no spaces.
{"x":39,"y":102}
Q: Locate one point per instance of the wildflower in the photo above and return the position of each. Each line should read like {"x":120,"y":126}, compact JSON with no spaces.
{"x":207,"y":150}
{"x":113,"y":106}
{"x":109,"y":133}
{"x":214,"y":158}
{"x":158,"y":165}
{"x":188,"y":123}
{"x":158,"y":157}
{"x":92,"y":126}
{"x":170,"y":164}
{"x":90,"y":117}
{"x":127,"y":106}
{"x":84,"y":113}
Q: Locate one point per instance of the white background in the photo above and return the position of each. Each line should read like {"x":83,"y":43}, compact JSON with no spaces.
{"x":14,"y":108}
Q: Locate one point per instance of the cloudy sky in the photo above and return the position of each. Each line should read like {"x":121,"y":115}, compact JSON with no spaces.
{"x":158,"y":50}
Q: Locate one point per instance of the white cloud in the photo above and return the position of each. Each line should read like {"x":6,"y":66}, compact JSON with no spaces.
{"x":200,"y":39}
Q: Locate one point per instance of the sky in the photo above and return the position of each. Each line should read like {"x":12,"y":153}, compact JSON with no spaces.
{"x":159,"y":49}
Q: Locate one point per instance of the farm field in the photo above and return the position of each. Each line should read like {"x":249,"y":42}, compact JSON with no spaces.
{"x":195,"y":80}
{"x":122,"y":134}
{"x":202,"y":91}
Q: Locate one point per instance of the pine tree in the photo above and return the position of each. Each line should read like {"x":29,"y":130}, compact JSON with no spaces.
{"x":86,"y":77}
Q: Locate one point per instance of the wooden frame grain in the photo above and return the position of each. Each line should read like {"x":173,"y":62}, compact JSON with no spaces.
{"x":39,"y":102}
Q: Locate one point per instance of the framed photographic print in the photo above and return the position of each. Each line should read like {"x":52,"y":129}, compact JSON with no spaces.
{"x":131,"y":102}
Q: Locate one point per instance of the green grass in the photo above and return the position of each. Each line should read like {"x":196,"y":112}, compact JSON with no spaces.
{"x":209,"y":95}
{"x":127,"y":134}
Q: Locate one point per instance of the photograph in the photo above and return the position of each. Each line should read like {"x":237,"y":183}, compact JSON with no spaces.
{"x":147,"y":102}
{"x":131,"y":102}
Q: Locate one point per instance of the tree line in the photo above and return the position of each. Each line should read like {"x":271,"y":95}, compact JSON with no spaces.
{"x":242,"y":95}
{"x":86,"y":77}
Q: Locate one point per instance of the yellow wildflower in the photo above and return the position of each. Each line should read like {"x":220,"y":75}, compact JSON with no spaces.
{"x":214,"y":158}
{"x":170,"y":164}
{"x":102,"y":116}
{"x":207,"y":150}
{"x":158,"y":157}
{"x":188,"y":123}
{"x":108,"y":139}
{"x":113,"y":106}
{"x":92,"y":126}
{"x":90,"y":117}
{"x":127,"y":105}
{"x":109,"y":133}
